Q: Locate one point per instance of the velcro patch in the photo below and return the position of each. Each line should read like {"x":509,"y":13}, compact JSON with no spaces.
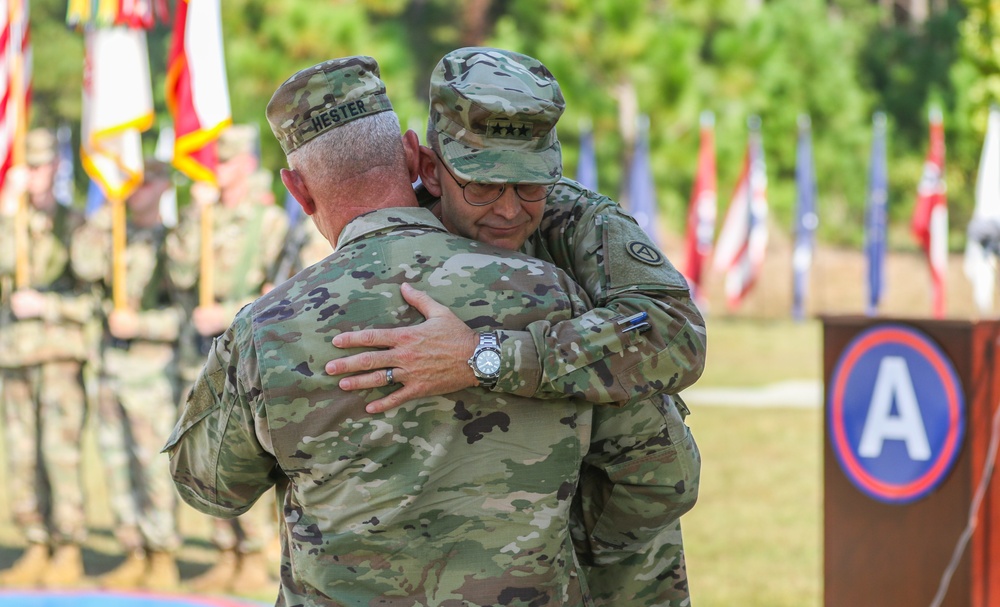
{"x":644,"y":253}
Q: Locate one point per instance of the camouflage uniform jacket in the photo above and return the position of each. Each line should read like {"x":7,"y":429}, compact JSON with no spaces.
{"x":147,"y":290}
{"x":58,"y":334}
{"x":247,"y":240}
{"x":461,"y":499}
{"x":604,"y":250}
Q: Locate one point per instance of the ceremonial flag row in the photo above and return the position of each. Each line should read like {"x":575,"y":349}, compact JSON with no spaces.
{"x":739,"y":251}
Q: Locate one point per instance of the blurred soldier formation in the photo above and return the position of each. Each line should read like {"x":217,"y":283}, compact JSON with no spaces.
{"x":610,"y":351}
{"x":64,"y":344}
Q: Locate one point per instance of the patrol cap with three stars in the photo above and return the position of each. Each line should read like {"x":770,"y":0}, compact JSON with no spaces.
{"x":314,"y":100}
{"x":493,"y":116}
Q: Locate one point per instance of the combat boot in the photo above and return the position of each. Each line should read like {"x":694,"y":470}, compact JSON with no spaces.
{"x":127,"y":576}
{"x":65,"y":569}
{"x":162,"y":574}
{"x":220,"y":577}
{"x":27,"y":571}
{"x":253,"y":574}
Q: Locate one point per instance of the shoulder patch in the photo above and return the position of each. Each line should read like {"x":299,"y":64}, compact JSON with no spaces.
{"x":644,"y":253}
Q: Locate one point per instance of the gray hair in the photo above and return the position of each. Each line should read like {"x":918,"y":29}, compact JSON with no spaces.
{"x":352,"y":149}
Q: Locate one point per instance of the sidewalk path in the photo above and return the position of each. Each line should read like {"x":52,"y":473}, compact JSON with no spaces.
{"x":793,"y":393}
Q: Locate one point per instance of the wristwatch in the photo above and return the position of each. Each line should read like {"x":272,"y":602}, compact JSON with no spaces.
{"x":485,"y":361}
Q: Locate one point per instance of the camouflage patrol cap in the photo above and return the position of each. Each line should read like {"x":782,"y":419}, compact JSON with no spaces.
{"x":39,"y":147}
{"x":235,"y":140}
{"x":493,"y":116}
{"x":319,"y":98}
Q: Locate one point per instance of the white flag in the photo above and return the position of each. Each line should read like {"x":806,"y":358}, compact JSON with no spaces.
{"x":979,"y":267}
{"x":117,"y":107}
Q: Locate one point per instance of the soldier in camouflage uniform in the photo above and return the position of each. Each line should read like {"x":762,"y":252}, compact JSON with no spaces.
{"x":492,"y":138}
{"x":138,"y":383}
{"x":247,"y":238}
{"x":42,"y":348}
{"x":460,"y":499}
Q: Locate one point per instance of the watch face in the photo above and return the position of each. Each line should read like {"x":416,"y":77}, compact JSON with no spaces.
{"x":488,"y":363}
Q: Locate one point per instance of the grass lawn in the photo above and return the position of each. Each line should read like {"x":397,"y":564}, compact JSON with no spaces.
{"x":754,"y":538}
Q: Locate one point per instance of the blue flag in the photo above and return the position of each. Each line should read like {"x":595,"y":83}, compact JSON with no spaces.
{"x":95,"y":198}
{"x":806,"y":219}
{"x":875,"y":214}
{"x":62,"y":183}
{"x":586,"y":166}
{"x":641,"y":191}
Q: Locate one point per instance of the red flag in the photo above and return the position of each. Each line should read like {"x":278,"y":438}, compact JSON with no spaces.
{"x":197,"y":93}
{"x":15,"y":80}
{"x":930,"y":216}
{"x":702,"y":212}
{"x":739,"y":251}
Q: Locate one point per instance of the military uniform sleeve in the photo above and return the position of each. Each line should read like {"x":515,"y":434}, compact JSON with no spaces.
{"x":593,"y":356}
{"x":641,"y":474}
{"x":217,"y":462}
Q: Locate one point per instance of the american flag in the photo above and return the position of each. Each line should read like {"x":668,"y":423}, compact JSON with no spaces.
{"x":930,"y":216}
{"x":15,"y":43}
{"x":739,"y":251}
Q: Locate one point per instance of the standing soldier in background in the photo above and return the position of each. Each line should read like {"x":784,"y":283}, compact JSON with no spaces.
{"x":42,"y":349}
{"x":137,"y":388}
{"x":247,"y":239}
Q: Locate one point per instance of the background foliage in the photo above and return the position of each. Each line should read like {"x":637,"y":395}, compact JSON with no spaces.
{"x":836,"y":60}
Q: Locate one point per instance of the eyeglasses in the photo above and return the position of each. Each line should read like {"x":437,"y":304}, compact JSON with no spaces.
{"x":481,"y":194}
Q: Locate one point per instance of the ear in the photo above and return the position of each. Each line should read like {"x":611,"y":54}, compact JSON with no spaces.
{"x":298,"y":189}
{"x":411,"y":146}
{"x":428,"y":171}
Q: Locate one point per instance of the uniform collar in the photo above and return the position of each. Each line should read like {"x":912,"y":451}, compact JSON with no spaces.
{"x":387,"y":219}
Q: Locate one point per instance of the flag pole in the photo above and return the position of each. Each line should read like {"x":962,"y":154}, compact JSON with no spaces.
{"x":206,"y":282}
{"x":22,"y":267}
{"x":118,"y":244}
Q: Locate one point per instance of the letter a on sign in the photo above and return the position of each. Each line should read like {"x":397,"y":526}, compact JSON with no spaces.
{"x":893,"y":384}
